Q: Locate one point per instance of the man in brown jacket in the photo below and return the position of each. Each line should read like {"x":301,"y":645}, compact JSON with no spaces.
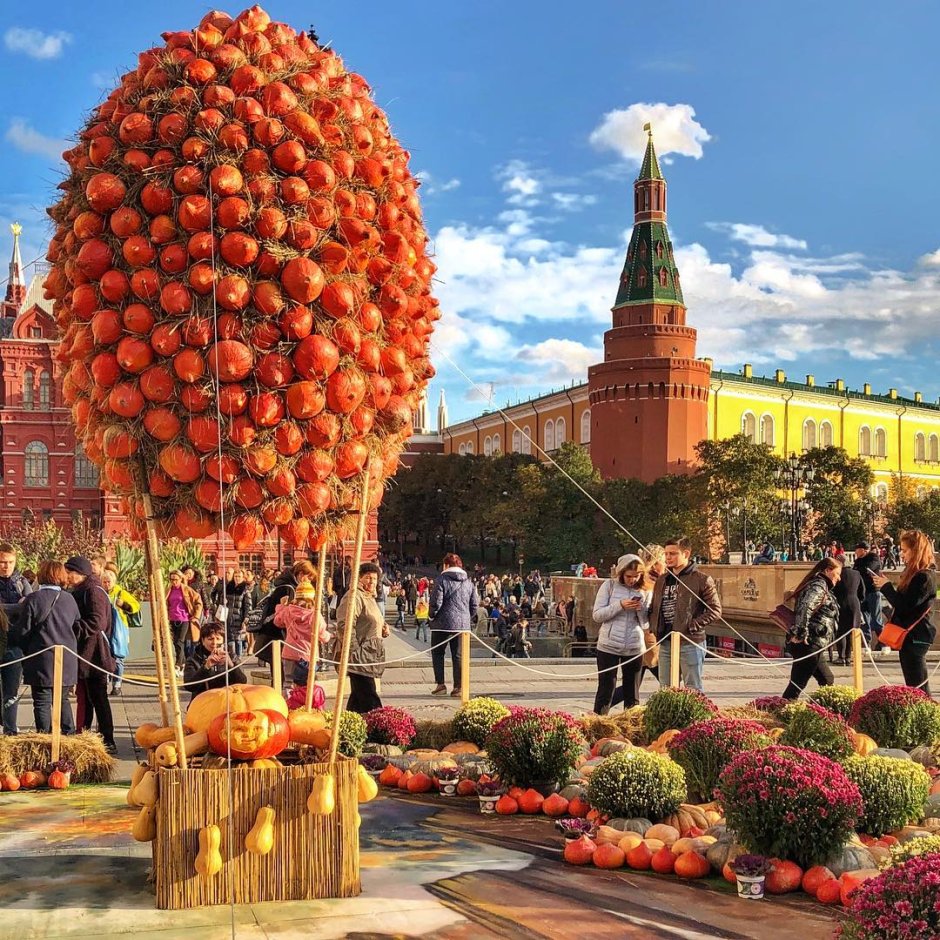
{"x":685,"y":601}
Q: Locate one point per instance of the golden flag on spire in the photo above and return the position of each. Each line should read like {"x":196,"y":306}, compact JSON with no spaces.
{"x":648,"y":128}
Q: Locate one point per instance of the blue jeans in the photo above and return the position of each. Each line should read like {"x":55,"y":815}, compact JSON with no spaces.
{"x":11,"y":678}
{"x":421,"y":625}
{"x":691,"y":663}
{"x":42,"y":710}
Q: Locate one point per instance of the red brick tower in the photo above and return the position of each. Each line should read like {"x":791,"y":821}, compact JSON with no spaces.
{"x":649,"y":397}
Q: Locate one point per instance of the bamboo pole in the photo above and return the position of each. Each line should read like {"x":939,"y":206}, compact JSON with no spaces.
{"x":343,"y":667}
{"x":157,"y":630}
{"x":152,"y":549}
{"x":465,"y":667}
{"x":315,"y":632}
{"x":56,"y":702}
{"x":277,"y":672}
{"x":857,"y":663}
{"x":675,"y":649}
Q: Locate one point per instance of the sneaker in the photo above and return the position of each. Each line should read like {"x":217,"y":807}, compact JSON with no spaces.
{"x":111,"y":747}
{"x":439,"y":690}
{"x":455,"y":693}
{"x":116,"y":688}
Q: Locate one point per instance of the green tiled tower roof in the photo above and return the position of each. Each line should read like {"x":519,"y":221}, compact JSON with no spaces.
{"x":650,"y":168}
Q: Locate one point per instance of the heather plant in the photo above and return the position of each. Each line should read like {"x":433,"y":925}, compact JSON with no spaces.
{"x":837,"y":698}
{"x":899,"y":904}
{"x":535,"y":746}
{"x":784,"y":802}
{"x":772,"y":704}
{"x":893,"y":792}
{"x":817,"y":729}
{"x":704,"y":749}
{"x":637,"y":783}
{"x":390,"y":725}
{"x":474,"y":721}
{"x":897,"y":717}
{"x":675,"y":708}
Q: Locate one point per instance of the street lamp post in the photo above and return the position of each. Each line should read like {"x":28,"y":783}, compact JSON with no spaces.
{"x":793,"y":477}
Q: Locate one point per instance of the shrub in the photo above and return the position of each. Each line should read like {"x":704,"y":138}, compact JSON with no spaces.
{"x":390,"y":725}
{"x":897,"y":716}
{"x":352,"y":732}
{"x":704,"y":749}
{"x":893,"y":791}
{"x":637,"y":783}
{"x":900,"y":904}
{"x":535,"y":746}
{"x":784,"y":802}
{"x":817,"y":729}
{"x":675,"y":708}
{"x":837,"y":698}
{"x":922,"y":845}
{"x":475,"y":720}
{"x":772,"y":704}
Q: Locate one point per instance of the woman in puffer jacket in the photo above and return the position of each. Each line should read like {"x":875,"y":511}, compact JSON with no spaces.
{"x":815,"y":625}
{"x":622,"y":610}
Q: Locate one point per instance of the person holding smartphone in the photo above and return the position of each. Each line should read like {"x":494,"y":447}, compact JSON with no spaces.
{"x":206,"y":667}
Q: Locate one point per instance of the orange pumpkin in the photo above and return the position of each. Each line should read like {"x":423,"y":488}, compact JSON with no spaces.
{"x":9,"y":782}
{"x":390,"y":776}
{"x":309,"y":727}
{"x":640,"y":857}
{"x":461,"y":747}
{"x":728,"y":874}
{"x":579,"y":807}
{"x":420,"y":783}
{"x":579,"y":851}
{"x":466,"y":787}
{"x":506,"y":805}
{"x":663,"y":861}
{"x":850,"y":881}
{"x":692,"y":865}
{"x":59,"y":780}
{"x":555,"y":805}
{"x":531,"y":802}
{"x":814,"y":877}
{"x":249,"y":735}
{"x":32,"y":779}
{"x":241,"y":697}
{"x":404,"y":779}
{"x":608,"y":856}
{"x":830,"y":892}
{"x":864,"y":744}
{"x":783,"y":877}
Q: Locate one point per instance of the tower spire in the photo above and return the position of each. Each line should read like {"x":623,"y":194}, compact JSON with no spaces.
{"x":649,"y":169}
{"x":16,"y":284}
{"x":442,"y":421}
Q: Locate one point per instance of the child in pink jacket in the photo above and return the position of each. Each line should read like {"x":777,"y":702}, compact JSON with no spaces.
{"x":296,"y":617}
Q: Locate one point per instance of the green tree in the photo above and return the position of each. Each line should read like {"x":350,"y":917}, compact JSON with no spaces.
{"x":839,"y":495}
{"x":905,"y":510}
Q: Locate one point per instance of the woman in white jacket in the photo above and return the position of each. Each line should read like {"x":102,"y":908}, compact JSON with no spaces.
{"x":622,"y":610}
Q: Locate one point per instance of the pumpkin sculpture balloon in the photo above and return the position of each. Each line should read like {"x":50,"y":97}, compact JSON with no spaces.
{"x":240,"y":276}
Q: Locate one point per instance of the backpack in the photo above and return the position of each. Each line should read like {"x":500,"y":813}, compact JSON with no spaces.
{"x":120,"y":639}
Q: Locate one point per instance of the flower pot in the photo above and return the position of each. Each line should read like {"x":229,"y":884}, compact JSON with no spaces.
{"x":751,"y":887}
{"x":448,"y":787}
{"x":488,"y":804}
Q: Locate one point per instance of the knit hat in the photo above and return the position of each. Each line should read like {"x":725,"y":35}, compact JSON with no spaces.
{"x":79,"y":565}
{"x":624,"y":562}
{"x":305,"y":592}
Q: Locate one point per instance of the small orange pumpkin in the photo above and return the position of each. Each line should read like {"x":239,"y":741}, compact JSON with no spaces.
{"x":506,"y":805}
{"x":420,"y":783}
{"x":530,"y":802}
{"x":555,"y":805}
{"x":579,"y":851}
{"x":608,"y":856}
{"x":390,"y":776}
{"x":692,"y":865}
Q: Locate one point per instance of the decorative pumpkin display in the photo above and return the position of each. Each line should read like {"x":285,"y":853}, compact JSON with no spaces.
{"x":607,"y":835}
{"x":366,"y":787}
{"x":850,"y":881}
{"x":663,"y":861}
{"x":209,"y":857}
{"x":608,"y":856}
{"x":136,"y":777}
{"x":145,"y":793}
{"x":461,"y":747}
{"x":145,"y":825}
{"x":249,"y":735}
{"x":530,"y":802}
{"x":554,"y":805}
{"x":261,"y":763}
{"x":32,"y":779}
{"x":636,"y":824}
{"x":257,"y":232}
{"x":466,"y":787}
{"x":666,"y":834}
{"x":260,"y":838}
{"x":830,"y":892}
{"x":640,"y":857}
{"x":420,"y":782}
{"x":240,"y":697}
{"x":579,"y":851}
{"x":9,"y":782}
{"x":322,"y":799}
{"x":390,"y":775}
{"x":630,"y":840}
{"x":864,"y":745}
{"x":309,"y":727}
{"x":59,"y":779}
{"x":851,"y":857}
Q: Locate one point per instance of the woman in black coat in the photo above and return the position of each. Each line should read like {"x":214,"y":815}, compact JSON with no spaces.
{"x":49,"y":617}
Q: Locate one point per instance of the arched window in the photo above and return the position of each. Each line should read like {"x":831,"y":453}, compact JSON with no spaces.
{"x":549,"y":435}
{"x":487,"y":446}
{"x":881,"y":443}
{"x":767,"y":430}
{"x":864,"y":441}
{"x":526,"y":440}
{"x":86,"y":473}
{"x":560,"y":432}
{"x":920,"y":446}
{"x":470,"y":447}
{"x":497,"y":444}
{"x":933,"y":451}
{"x":37,"y":464}
{"x":28,"y":389}
{"x":462,"y":450}
{"x":663,"y":276}
{"x":825,"y":434}
{"x":749,"y":426}
{"x":809,"y":434}
{"x":586,"y":426}
{"x":45,"y":391}
{"x":517,"y":441}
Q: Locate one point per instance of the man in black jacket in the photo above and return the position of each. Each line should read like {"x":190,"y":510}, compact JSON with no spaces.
{"x":866,"y":564}
{"x":94,"y":633}
{"x":206,"y":667}
{"x":850,"y":593}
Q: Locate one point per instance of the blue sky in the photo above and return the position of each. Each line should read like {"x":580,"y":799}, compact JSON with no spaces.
{"x":799,"y":140}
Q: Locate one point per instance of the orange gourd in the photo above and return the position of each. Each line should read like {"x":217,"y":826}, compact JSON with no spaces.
{"x":466,"y":787}
{"x":579,"y":851}
{"x":814,"y":877}
{"x":663,"y":861}
{"x":728,"y":874}
{"x":830,"y":892}
{"x":506,"y":805}
{"x":692,"y":865}
{"x":640,"y":857}
{"x":420,"y":783}
{"x":390,"y":776}
{"x":783,"y":877}
{"x":579,"y":807}
{"x":608,"y":856}
{"x":850,"y":881}
{"x":404,"y":779}
{"x":667,"y":834}
{"x":555,"y":805}
{"x":531,"y":802}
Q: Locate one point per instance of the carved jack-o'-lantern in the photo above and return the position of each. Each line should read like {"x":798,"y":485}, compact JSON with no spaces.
{"x":249,"y":735}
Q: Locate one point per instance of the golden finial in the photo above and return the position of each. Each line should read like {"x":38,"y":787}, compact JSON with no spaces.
{"x":16,"y":229}
{"x":648,"y":127}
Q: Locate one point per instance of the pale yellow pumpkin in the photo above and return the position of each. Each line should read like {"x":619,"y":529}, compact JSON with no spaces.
{"x":240,"y":697}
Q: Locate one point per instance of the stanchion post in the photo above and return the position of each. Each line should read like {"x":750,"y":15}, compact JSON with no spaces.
{"x":857,"y":663}
{"x":675,"y":648}
{"x":465,"y":667}
{"x":343,"y":667}
{"x":157,"y":630}
{"x":277,"y":678}
{"x":56,"y":702}
{"x":315,"y":631}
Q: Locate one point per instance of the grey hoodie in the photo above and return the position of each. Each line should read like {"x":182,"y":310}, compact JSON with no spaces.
{"x":454,"y":601}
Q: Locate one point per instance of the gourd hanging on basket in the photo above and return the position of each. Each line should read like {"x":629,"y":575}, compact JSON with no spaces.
{"x":260,"y":838}
{"x":322,"y":799}
{"x":209,"y":857}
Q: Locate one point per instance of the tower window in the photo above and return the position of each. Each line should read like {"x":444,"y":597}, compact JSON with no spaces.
{"x":37,"y":464}
{"x":641,"y":279}
{"x":35,"y":332}
{"x":45,"y":391}
{"x":659,"y":249}
{"x":643,"y":251}
{"x":28,"y":389}
{"x":663,"y":276}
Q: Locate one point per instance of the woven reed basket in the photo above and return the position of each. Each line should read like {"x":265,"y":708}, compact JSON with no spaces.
{"x":313,"y":856}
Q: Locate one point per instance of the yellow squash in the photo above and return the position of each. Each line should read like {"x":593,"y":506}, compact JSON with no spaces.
{"x":322,"y":799}
{"x":366,"y":787}
{"x":260,"y":838}
{"x":145,"y":793}
{"x":136,"y":777}
{"x":209,"y":859}
{"x":151,"y":735}
{"x":145,"y":825}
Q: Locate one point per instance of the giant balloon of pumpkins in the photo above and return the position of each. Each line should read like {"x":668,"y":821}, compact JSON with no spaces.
{"x":252,"y":725}
{"x":240,"y":276}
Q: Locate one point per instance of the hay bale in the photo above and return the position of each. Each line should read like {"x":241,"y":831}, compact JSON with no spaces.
{"x":22,"y":752}
{"x":433,"y":734}
{"x":626,"y":724}
{"x":751,"y":713}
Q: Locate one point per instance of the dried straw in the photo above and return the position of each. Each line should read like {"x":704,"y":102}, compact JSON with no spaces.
{"x":433,"y":734}
{"x":313,"y":856}
{"x":22,"y":752}
{"x":751,"y":713}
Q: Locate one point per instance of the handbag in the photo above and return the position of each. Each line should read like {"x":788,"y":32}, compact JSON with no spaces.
{"x":783,"y":617}
{"x":893,"y":636}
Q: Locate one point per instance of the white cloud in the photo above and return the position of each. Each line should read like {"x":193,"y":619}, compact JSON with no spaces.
{"x":35,"y":43}
{"x":675,"y":130}
{"x":29,"y":140}
{"x":558,"y":360}
{"x":757,"y":236}
{"x":520,"y":182}
{"x":932,"y":260}
{"x":573,"y":202}
{"x":431,"y":187}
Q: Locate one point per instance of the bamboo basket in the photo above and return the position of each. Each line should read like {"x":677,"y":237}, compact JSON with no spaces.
{"x":313,"y":856}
